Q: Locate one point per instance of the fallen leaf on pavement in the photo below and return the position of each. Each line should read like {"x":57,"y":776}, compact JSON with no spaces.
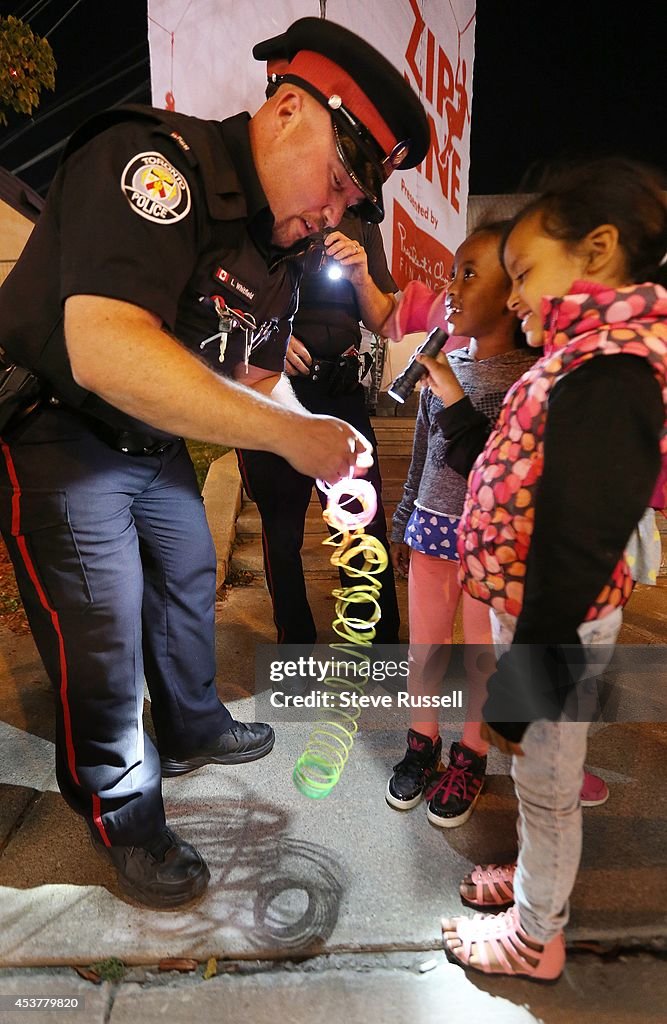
{"x":177,"y":964}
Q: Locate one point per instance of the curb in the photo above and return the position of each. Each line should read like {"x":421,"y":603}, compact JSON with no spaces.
{"x":222,"y":501}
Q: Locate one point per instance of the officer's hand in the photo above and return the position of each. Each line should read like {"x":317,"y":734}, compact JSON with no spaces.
{"x":400,"y":558}
{"x":297,"y":358}
{"x":328,"y":449}
{"x":349,"y":254}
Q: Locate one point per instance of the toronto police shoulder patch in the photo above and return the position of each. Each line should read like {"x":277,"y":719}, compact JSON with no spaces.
{"x":155,"y":189}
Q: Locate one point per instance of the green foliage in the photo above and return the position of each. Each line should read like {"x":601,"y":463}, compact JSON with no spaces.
{"x":203,"y":454}
{"x":111,"y":969}
{"x":9,"y":602}
{"x":27,"y":66}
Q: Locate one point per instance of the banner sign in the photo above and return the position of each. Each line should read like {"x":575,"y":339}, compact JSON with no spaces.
{"x":201,"y":63}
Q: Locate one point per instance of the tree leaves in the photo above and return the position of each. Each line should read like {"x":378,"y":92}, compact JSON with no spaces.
{"x":27,"y":66}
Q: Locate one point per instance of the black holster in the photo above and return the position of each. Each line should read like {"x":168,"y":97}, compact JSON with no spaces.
{"x":20,"y":391}
{"x":339,"y":376}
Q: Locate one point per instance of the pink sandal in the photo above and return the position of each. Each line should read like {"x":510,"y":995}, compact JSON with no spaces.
{"x":501,"y":947}
{"x":494,"y":887}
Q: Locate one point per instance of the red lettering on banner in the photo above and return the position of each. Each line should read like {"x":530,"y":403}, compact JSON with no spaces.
{"x":447,"y":163}
{"x":454,"y":180}
{"x":445,"y":81}
{"x":413,"y":44}
{"x":447,"y":92}
{"x":430,"y":64}
{"x":416,"y":255}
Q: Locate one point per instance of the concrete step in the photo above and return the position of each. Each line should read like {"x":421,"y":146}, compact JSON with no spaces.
{"x":390,"y":426}
{"x":399,"y":431}
{"x":394,"y":466}
{"x":247,"y":555}
{"x":249,"y":525}
{"x":388,"y":408}
{"x":400,"y":447}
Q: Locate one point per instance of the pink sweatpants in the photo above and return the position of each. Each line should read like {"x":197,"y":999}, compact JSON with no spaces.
{"x":433,"y":598}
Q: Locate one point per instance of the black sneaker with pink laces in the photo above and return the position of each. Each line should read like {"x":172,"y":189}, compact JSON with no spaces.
{"x":407,"y":784}
{"x":453,"y":793}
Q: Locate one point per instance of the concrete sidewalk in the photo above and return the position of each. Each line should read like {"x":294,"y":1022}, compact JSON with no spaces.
{"x":327,"y":908}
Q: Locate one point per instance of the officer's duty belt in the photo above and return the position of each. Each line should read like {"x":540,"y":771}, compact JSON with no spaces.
{"x":130,"y":443}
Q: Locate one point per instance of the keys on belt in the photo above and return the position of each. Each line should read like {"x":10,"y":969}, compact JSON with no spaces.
{"x":235,"y":319}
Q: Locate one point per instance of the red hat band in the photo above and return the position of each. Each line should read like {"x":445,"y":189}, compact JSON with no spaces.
{"x":331,"y":80}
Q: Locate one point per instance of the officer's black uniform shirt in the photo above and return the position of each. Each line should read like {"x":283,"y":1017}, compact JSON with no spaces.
{"x":103,"y":233}
{"x":260,"y":218}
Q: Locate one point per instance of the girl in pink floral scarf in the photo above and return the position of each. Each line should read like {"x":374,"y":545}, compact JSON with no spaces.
{"x":552,"y":501}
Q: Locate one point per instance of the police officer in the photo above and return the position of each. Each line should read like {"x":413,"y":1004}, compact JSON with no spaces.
{"x":324,"y":368}
{"x":157,"y":285}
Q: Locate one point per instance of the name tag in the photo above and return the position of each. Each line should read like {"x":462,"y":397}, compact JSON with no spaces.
{"x":234,"y":283}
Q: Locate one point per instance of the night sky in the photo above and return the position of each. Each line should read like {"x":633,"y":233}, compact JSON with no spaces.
{"x":552,"y":80}
{"x":556,"y":80}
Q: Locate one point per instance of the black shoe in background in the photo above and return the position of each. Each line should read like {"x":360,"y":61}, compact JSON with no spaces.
{"x":243,"y":742}
{"x":163,"y":873}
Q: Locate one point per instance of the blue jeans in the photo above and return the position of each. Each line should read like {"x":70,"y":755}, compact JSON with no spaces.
{"x":548,"y":780}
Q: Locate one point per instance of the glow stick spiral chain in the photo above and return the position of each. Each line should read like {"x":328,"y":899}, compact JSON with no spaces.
{"x":318,"y":769}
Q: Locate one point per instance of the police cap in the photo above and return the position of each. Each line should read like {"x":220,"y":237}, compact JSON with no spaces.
{"x":379,"y":123}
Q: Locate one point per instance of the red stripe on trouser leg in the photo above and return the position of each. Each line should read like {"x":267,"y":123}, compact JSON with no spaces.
{"x":97,"y":818}
{"x":62,"y":658}
{"x":27,"y":561}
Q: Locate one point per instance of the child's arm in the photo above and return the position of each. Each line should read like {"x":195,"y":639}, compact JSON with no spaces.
{"x":601,"y":460}
{"x":400,"y":557}
{"x":467,"y":430}
{"x":418,"y":309}
{"x":465,"y":427}
{"x":441,"y":378}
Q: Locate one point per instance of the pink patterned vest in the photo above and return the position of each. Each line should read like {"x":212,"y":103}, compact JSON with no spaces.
{"x":497,"y":522}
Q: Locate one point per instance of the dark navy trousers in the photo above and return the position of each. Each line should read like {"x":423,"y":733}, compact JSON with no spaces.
{"x":282,"y":496}
{"x":116,"y":568}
